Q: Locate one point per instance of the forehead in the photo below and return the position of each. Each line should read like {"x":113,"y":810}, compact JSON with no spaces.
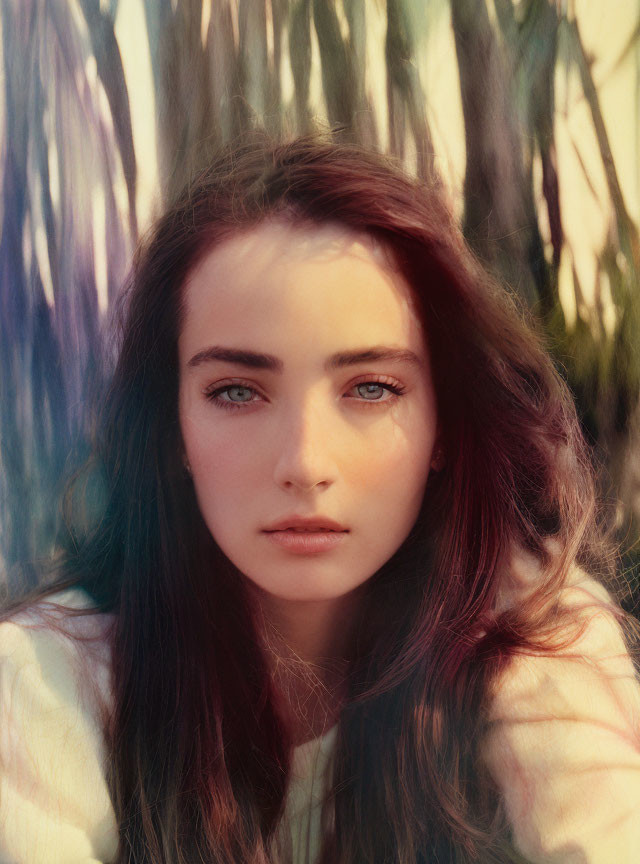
{"x":320,"y":284}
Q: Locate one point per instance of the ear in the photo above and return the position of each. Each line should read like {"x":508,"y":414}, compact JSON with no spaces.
{"x":438,"y":458}
{"x":186,"y":464}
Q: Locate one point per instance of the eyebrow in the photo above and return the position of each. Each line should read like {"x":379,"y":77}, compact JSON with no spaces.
{"x":254,"y":360}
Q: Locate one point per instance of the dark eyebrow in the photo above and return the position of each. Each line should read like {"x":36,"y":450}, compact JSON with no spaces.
{"x":254,"y":360}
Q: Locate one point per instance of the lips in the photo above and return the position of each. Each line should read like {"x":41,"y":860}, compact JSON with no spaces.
{"x":314,"y":542}
{"x":308,"y":525}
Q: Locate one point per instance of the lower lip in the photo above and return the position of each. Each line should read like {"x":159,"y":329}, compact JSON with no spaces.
{"x":307,"y":542}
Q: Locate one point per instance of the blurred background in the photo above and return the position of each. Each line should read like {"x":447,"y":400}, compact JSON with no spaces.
{"x":528,"y":111}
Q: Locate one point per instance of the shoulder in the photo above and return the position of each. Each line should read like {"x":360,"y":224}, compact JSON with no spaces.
{"x":62,"y":642}
{"x":564,"y":739}
{"x":598,"y":654}
{"x":54,"y":697}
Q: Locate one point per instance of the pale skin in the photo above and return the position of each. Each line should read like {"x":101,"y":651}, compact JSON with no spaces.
{"x":306,"y":438}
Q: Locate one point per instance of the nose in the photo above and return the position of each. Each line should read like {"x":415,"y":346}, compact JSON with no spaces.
{"x":304,"y":459}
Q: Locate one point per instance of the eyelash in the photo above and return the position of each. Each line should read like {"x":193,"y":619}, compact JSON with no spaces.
{"x":213,"y":395}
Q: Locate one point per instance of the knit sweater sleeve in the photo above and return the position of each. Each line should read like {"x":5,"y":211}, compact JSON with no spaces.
{"x":564,"y":744}
{"x":54,"y":801}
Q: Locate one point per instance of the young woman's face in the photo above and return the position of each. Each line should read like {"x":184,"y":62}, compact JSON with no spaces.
{"x":286,"y":411}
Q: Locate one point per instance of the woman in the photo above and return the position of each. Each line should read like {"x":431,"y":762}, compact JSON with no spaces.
{"x":324,"y":595}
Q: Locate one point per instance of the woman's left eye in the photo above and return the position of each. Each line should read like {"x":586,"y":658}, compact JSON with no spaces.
{"x":375,"y":390}
{"x":236,"y":395}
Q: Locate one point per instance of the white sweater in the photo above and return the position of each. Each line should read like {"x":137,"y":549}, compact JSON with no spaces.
{"x":564,"y":749}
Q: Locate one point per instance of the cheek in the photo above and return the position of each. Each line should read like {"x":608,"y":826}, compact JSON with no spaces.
{"x":224,"y":470}
{"x":223,"y":485}
{"x":398,"y":466}
{"x":214,"y":448}
{"x":388,"y":491}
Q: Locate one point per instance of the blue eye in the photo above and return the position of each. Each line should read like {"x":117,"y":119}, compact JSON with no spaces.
{"x":230,"y":389}
{"x":370,"y":388}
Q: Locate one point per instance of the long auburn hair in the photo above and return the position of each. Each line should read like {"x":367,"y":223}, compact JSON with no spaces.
{"x":199,"y":757}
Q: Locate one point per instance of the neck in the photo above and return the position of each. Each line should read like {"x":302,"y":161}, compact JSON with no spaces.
{"x":308,"y":649}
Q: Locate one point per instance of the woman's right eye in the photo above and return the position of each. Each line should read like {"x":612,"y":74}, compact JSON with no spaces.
{"x":235,"y":392}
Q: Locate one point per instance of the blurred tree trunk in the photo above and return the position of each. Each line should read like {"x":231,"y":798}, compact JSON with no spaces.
{"x":500,"y":220}
{"x":109,"y":64}
{"x":404,"y":93}
{"x":364,"y":120}
{"x":531,"y":48}
{"x":300,"y":57}
{"x":18,"y":46}
{"x":183,"y":96}
{"x":338,"y":67}
{"x":229,"y":112}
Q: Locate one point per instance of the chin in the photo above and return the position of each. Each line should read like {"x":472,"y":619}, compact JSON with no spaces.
{"x":308,"y":595}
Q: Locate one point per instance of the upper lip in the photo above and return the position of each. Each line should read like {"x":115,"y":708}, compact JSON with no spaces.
{"x":312,"y":523}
